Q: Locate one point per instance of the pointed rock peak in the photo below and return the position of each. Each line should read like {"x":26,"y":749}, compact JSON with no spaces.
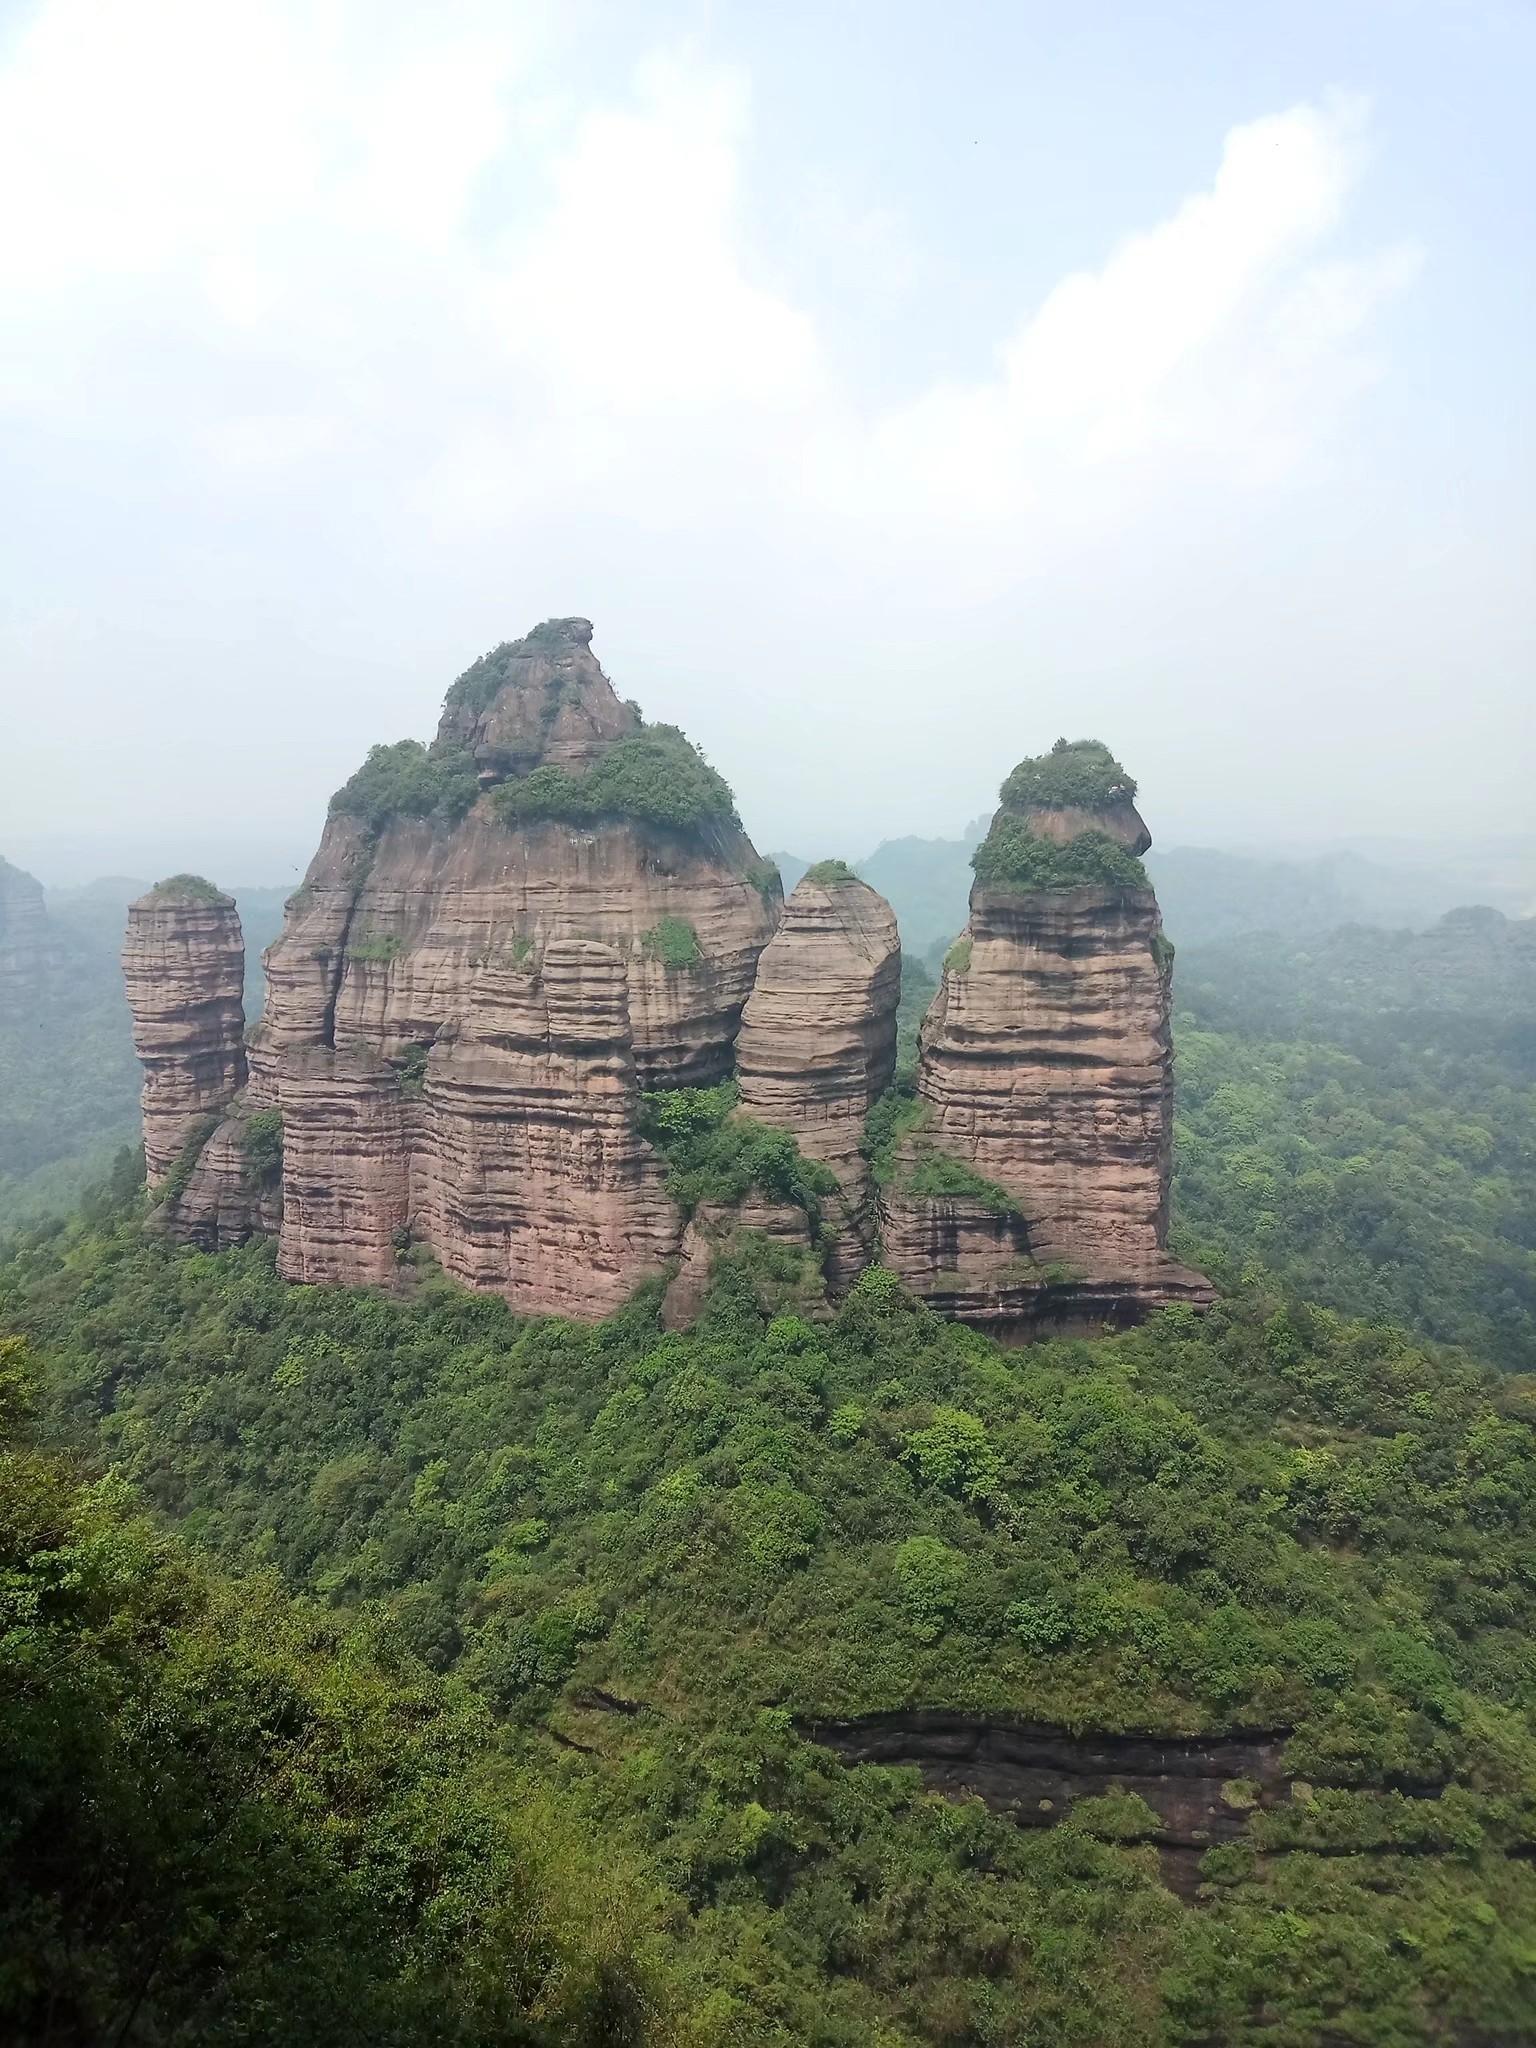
{"x":542,"y":700}
{"x":1068,"y":819}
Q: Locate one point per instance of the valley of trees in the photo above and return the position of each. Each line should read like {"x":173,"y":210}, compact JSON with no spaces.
{"x":409,"y":1671}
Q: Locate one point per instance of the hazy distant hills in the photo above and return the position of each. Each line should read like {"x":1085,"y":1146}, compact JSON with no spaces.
{"x":1209,"y":894}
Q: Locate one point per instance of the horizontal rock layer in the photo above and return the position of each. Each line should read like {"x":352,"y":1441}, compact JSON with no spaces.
{"x":818,"y":1042}
{"x":184,"y":969}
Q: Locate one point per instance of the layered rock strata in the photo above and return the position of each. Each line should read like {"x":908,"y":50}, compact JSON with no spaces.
{"x":531,"y":1175}
{"x":468,"y":996}
{"x":1045,"y":1078}
{"x":818,"y":1042}
{"x":184,"y":968}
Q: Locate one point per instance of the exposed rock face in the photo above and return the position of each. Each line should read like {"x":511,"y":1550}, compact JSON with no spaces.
{"x":224,"y":1202}
{"x":534,"y":974}
{"x":184,"y":967}
{"x":1046,"y":1069}
{"x":529,"y":1176}
{"x":818,"y":1041}
{"x":29,"y":948}
{"x":713,"y":1231}
{"x":536,"y":702}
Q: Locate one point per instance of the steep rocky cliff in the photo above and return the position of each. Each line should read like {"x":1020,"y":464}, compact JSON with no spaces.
{"x":1026,"y":1182}
{"x":184,"y":967}
{"x":539,"y":1006}
{"x":818,"y":1040}
{"x":503,"y":939}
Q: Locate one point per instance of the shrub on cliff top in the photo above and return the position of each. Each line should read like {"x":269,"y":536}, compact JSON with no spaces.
{"x":188,"y":889}
{"x":1013,"y":857}
{"x":1081,"y":774}
{"x":408,"y":780}
{"x":829,"y":871}
{"x":658,"y":775}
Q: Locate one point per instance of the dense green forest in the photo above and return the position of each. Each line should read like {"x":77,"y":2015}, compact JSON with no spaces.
{"x":661,"y":1561}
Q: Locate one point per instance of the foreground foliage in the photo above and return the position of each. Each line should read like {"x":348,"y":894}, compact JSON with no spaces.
{"x":653,"y":1556}
{"x":231,"y":1819}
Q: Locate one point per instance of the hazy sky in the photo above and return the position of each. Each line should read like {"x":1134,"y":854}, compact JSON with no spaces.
{"x":895,"y":386}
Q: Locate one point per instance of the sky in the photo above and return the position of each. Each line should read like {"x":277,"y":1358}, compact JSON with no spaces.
{"x":895,"y":387}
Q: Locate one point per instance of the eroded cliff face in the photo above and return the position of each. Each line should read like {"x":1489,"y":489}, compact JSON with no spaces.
{"x":184,"y":968}
{"x":507,"y":939}
{"x":1045,"y":1076}
{"x":464,"y":1007}
{"x":818,"y":1042}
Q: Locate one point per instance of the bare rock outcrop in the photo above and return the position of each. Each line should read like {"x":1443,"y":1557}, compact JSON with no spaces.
{"x":1030,"y":1190}
{"x":502,"y":940}
{"x":818,"y":1040}
{"x":184,"y":967}
{"x":228,"y":1194}
{"x":530,"y":1177}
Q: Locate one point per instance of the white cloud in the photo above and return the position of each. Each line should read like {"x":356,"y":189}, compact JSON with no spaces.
{"x":383,"y":260}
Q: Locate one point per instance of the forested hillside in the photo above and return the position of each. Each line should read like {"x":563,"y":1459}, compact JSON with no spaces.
{"x":1356,"y":1115}
{"x":668,"y":1563}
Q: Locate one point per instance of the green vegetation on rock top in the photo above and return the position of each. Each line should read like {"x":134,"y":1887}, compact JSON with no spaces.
{"x":408,"y":780}
{"x":657,"y":775}
{"x":1075,"y":774}
{"x":476,"y":690}
{"x":189,"y":889}
{"x":1013,"y":857}
{"x":829,"y":871}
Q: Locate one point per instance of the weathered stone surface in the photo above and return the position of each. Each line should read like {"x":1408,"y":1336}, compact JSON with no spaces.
{"x":384,"y":952}
{"x":345,"y":1168}
{"x":29,"y":947}
{"x":527,"y":959}
{"x":818,"y":1042}
{"x":528,"y":1174}
{"x":1045,"y":1067}
{"x":184,"y":968}
{"x":222,"y":1204}
{"x":546,"y":702}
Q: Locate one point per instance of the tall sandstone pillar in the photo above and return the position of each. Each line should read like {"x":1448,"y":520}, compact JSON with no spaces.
{"x":184,"y":967}
{"x":818,"y":1039}
{"x":1030,"y":1191}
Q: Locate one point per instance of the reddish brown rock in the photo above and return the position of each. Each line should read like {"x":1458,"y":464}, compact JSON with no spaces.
{"x":224,"y":1201}
{"x":346,"y":1198}
{"x":1045,"y":1071}
{"x":184,"y":967}
{"x":552,"y":968}
{"x":536,"y":702}
{"x":528,"y":1173}
{"x":818,"y":1041}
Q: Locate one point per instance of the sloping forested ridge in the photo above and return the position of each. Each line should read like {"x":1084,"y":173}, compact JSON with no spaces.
{"x":226,"y":1817}
{"x":665,"y":1563}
